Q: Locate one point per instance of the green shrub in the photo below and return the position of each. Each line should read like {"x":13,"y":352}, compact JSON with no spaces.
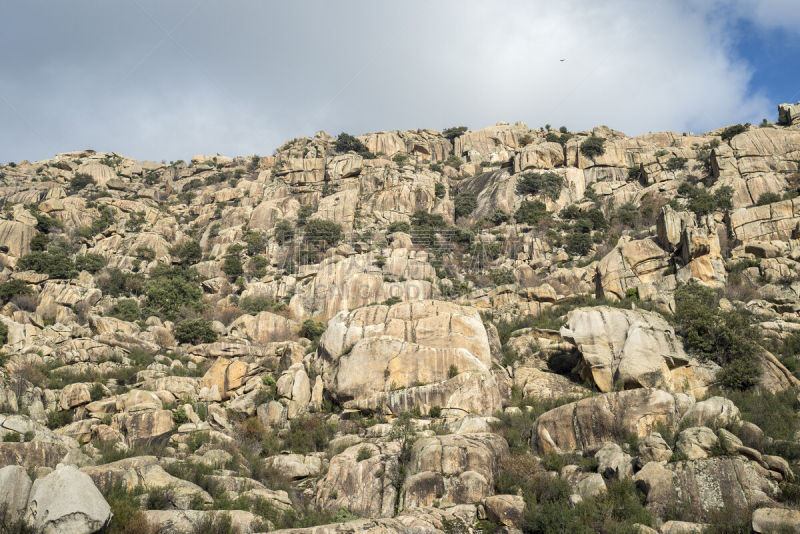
{"x":55,"y":263}
{"x":768,"y":198}
{"x":80,"y":180}
{"x":57,"y":419}
{"x":90,"y":262}
{"x":578,"y":243}
{"x":732,"y":131}
{"x":258,"y":266}
{"x":12,"y":288}
{"x":453,"y":371}
{"x":255,"y":304}
{"x":561,"y":139}
{"x":676,"y":163}
{"x":548,"y":184}
{"x":12,"y":437}
{"x":398,"y":226}
{"x":195,"y":331}
{"x":188,"y":252}
{"x":364,"y":453}
{"x":127,"y":516}
{"x":465,"y":204}
{"x":531,"y":212}
{"x":171,"y":289}
{"x":284,"y":232}
{"x":702,"y":202}
{"x":311,"y":329}
{"x":400,"y":158}
{"x":115,"y":282}
{"x":435,"y":412}
{"x":391,"y":301}
{"x":232,"y":267}
{"x":126,"y":310}
{"x":3,"y":333}
{"x":727,"y":337}
{"x":255,"y":243}
{"x":498,"y":217}
{"x":439,"y":190}
{"x":593,"y":147}
{"x":347,"y":143}
{"x":453,"y":161}
{"x":501,"y":277}
{"x":453,"y":132}
{"x":327,"y":232}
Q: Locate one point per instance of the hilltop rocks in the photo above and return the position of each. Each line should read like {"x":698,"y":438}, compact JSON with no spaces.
{"x":789,"y":114}
{"x":67,"y":500}
{"x":631,"y":349}
{"x":438,"y":349}
{"x":766,"y":520}
{"x":587,"y":423}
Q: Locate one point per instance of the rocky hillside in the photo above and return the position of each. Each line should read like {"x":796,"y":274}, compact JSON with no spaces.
{"x":501,"y":330}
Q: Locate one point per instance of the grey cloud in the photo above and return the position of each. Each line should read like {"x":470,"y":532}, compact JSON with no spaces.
{"x":241,"y":77}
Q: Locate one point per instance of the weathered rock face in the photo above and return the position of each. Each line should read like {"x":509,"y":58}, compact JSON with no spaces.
{"x":767,"y":520}
{"x":223,"y":377}
{"x":144,"y":426}
{"x":16,"y":486}
{"x":704,"y":486}
{"x":263,"y":328}
{"x":454,"y":468}
{"x":632,"y":264}
{"x":632,"y":347}
{"x":789,"y":114}
{"x":588,"y":423}
{"x":189,"y":521}
{"x":145,"y":471}
{"x":67,"y":500}
{"x":438,"y":350}
{"x":364,"y":487}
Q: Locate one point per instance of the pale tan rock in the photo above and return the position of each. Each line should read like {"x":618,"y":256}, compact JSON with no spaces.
{"x":505,"y":509}
{"x":362,"y":487}
{"x":74,"y":395}
{"x":16,"y":237}
{"x":767,"y":520}
{"x":696,"y":442}
{"x":632,"y":347}
{"x":144,"y":426}
{"x":589,"y":422}
{"x":223,"y":377}
{"x":263,"y":328}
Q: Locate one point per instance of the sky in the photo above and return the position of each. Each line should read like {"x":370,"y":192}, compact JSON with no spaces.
{"x":161,"y":80}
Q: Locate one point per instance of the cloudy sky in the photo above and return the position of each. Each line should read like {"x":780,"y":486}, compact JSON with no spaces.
{"x":155,"y":79}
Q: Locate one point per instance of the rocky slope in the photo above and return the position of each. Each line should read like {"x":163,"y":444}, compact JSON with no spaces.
{"x":501,"y":330}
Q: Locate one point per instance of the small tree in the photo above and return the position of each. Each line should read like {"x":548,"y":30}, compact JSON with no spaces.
{"x":195,"y":331}
{"x":593,"y":147}
{"x":531,"y":212}
{"x":454,"y":131}
{"x":548,"y":184}
{"x":232,"y":267}
{"x":81,"y":180}
{"x":347,"y":143}
{"x":327,"y":232}
{"x":465,"y":204}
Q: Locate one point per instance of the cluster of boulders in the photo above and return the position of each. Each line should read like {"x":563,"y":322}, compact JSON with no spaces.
{"x":369,"y":375}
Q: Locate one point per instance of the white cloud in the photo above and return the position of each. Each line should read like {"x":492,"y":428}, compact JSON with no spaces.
{"x":244,"y":80}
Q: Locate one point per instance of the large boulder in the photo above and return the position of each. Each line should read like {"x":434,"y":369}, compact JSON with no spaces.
{"x":588,"y":423}
{"x":631,"y":264}
{"x":453,"y":469}
{"x":635,"y":348}
{"x":145,"y":472}
{"x":703,"y":487}
{"x":766,"y":520}
{"x":67,"y":501}
{"x":16,"y":486}
{"x":145,"y":426}
{"x":410,"y":355}
{"x":190,"y":521}
{"x":361,"y":481}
